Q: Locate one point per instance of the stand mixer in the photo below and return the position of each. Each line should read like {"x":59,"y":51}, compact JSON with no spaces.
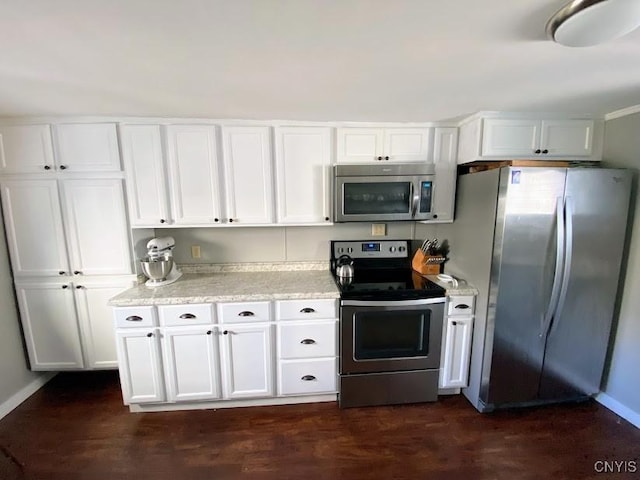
{"x":158,"y":265}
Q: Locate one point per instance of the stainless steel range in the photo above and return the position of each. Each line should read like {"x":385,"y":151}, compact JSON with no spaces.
{"x":390,"y":325}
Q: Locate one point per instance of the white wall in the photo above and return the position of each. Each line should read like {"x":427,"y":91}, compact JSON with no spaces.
{"x":622,"y":380}
{"x":14,"y":374}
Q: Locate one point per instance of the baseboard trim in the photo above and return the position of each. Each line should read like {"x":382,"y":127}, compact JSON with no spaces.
{"x":619,"y":409}
{"x":21,"y":395}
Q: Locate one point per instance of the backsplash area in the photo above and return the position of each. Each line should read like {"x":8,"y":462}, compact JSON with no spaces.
{"x":276,"y":244}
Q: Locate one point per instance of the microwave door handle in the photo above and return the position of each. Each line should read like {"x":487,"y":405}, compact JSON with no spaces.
{"x":415,"y":197}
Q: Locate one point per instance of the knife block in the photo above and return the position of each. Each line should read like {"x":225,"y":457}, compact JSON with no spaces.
{"x":427,"y":264}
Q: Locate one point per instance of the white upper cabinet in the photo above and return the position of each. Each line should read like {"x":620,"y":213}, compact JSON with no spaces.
{"x":248,"y":175}
{"x":445,"y":155}
{"x":193,"y":173}
{"x":26,"y":149}
{"x":145,"y":174}
{"x":496,"y":138}
{"x":96,"y":226}
{"x":87,"y":147}
{"x":366,"y":145}
{"x":34,"y":229}
{"x":303,"y":174}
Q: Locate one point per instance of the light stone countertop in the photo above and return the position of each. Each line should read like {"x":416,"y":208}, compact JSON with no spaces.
{"x":463,"y":288}
{"x":233,"y":286}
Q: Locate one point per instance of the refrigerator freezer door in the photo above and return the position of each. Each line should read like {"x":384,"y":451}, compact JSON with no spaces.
{"x":597,"y":202}
{"x":522,"y":277}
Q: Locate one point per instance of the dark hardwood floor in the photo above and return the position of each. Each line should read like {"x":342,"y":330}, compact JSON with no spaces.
{"x":77,"y":428}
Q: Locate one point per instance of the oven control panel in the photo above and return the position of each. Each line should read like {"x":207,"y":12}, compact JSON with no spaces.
{"x":372,"y":249}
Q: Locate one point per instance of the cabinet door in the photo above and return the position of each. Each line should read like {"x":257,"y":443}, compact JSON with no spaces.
{"x":457,"y":350}
{"x":193,"y":170}
{"x":509,"y":138}
{"x":248,"y":177}
{"x":566,"y":137}
{"x":145,"y":173}
{"x":445,"y":151}
{"x":191,"y":363}
{"x":96,"y":226}
{"x":359,"y":145}
{"x":87,"y":147}
{"x":247,"y":358}
{"x":303,"y":173}
{"x":33,"y":221}
{"x":26,"y":149}
{"x":139,"y":365}
{"x":407,"y":144}
{"x":50,"y":327}
{"x":95,"y":319}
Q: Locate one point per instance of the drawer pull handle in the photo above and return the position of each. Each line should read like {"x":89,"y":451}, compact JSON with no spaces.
{"x":134,"y":318}
{"x":308,"y":341}
{"x":185,"y":316}
{"x":246,"y":313}
{"x":462,"y":306}
{"x":308,"y":378}
{"x":307,"y":310}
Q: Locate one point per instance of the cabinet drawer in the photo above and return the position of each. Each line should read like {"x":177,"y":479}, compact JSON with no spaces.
{"x":307,"y":339}
{"x":307,"y":376}
{"x":190,"y":314}
{"x":244,"y":312}
{"x":304,"y":309}
{"x":130,"y":317}
{"x":462,"y":305}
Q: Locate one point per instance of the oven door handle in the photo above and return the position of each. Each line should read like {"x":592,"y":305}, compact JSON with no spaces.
{"x":391,"y":303}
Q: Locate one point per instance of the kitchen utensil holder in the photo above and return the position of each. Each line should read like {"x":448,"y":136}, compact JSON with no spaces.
{"x":427,"y":264}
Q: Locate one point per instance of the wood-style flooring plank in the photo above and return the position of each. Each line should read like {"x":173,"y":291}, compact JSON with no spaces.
{"x":77,"y":428}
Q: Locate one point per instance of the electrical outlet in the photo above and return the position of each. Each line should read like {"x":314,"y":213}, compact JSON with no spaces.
{"x":195,"y":251}
{"x":378,"y":229}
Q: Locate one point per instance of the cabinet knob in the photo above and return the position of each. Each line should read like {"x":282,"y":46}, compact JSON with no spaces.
{"x":63,"y":167}
{"x":209,"y":332}
{"x":308,"y":341}
{"x":47,"y":167}
{"x":326,"y":219}
{"x":454,"y":323}
{"x":150,"y":334}
{"x":246,"y":313}
{"x":61,"y":272}
{"x":77,"y":272}
{"x":435,"y":215}
{"x":133,"y":318}
{"x":226,"y":332}
{"x":185,"y":316}
{"x":537,"y":152}
{"x":65,"y":286}
{"x":307,"y":310}
{"x":386,"y":158}
{"x":162,"y":220}
{"x":78,"y":287}
{"x":379,"y":158}
{"x":308,"y":378}
{"x":216,"y":220}
{"x":545,"y":151}
{"x":231,"y":220}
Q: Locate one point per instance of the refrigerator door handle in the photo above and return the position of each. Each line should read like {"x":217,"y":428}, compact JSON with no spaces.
{"x":568,"y":216}
{"x":557,"y":274}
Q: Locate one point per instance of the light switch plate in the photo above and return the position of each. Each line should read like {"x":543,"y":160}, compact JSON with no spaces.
{"x":378,"y":229}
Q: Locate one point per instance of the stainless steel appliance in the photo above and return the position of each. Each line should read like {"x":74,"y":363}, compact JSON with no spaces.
{"x":390,"y":326}
{"x":544,"y":248}
{"x":158,"y":265}
{"x":367,"y":193}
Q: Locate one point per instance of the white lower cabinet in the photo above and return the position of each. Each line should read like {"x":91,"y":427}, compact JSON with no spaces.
{"x":140,"y":365}
{"x":456,"y":343}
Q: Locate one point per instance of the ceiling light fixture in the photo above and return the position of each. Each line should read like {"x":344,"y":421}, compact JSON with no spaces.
{"x":582,"y":23}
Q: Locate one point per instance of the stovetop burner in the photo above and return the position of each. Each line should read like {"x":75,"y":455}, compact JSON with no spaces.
{"x":382,"y":271}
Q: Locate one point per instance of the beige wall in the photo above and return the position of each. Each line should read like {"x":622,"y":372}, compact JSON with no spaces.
{"x":622,"y":149}
{"x":14,"y":374}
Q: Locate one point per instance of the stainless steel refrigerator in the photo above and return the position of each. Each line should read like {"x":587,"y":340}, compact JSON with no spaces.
{"x":544,"y":247}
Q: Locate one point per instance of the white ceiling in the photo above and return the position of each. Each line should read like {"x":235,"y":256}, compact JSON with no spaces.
{"x":351,"y":60}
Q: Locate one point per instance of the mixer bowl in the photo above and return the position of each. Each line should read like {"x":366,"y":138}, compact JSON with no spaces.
{"x":157,"y":269}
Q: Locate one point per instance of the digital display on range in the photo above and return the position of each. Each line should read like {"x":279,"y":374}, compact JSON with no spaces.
{"x":370,"y":247}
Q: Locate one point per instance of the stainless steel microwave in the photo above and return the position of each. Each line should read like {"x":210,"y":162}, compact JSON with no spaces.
{"x":366,"y":193}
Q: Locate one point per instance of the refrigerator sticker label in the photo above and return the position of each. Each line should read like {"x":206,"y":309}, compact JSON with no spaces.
{"x":515,"y":176}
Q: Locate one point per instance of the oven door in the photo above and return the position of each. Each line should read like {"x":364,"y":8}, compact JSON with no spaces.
{"x":380,"y":198}
{"x":390,"y":336}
